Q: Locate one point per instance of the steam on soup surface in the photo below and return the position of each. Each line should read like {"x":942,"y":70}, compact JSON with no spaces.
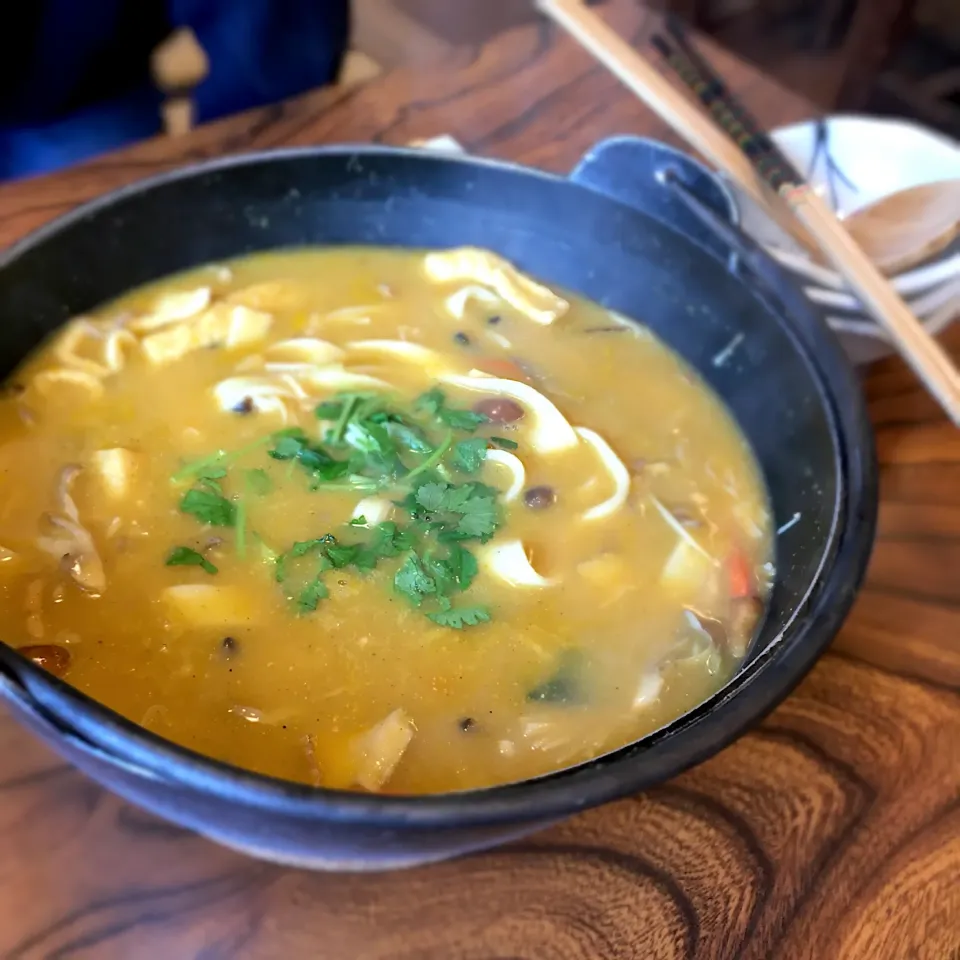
{"x":377,"y":520}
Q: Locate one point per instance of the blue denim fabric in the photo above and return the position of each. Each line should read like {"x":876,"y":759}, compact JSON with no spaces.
{"x":78,"y":83}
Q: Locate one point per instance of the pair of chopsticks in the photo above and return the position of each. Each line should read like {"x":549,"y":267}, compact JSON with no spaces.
{"x":735,"y":143}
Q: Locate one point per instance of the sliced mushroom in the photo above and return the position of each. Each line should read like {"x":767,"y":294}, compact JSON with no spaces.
{"x":69,"y":542}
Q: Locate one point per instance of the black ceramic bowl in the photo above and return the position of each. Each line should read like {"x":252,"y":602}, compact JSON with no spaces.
{"x":638,"y":228}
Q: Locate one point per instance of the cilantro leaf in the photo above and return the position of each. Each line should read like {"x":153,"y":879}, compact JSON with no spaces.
{"x":209,"y":507}
{"x":211,"y":473}
{"x":360,"y":521}
{"x":311,"y":595}
{"x":389,"y":540}
{"x":258,"y":481}
{"x":468,"y":455}
{"x":342,"y":554}
{"x":300,"y":549}
{"x":328,"y":410}
{"x":465,"y":420}
{"x":478,"y":518}
{"x":408,"y":437}
{"x":413,"y":581}
{"x":434,"y":402}
{"x":459,"y":617}
{"x":504,"y":443}
{"x":463,"y":564}
{"x":188,"y":557}
{"x":432,"y":496}
{"x":431,"y":402}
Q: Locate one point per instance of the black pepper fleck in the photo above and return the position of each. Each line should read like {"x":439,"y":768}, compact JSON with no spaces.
{"x":466,"y":724}
{"x":461,"y":338}
{"x":494,"y":320}
{"x":244,"y":406}
{"x":230,"y":646}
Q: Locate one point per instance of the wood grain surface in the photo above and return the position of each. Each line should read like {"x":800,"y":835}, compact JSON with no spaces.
{"x":831,"y":831}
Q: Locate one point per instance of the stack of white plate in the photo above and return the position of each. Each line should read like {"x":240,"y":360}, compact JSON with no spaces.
{"x":852,"y":162}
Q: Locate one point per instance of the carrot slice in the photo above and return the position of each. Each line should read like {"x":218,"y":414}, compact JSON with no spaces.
{"x":738,"y":573}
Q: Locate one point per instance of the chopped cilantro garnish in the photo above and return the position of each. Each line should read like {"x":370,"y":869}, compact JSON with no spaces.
{"x":188,"y":557}
{"x":504,"y":443}
{"x":465,"y":420}
{"x":409,"y":437}
{"x":468,"y":455}
{"x":300,"y":549}
{"x":209,"y":507}
{"x":328,"y":410}
{"x":312,"y":594}
{"x":413,"y":581}
{"x":389,"y":540}
{"x":430,"y":462}
{"x":360,"y":521}
{"x":463,"y":564}
{"x":342,"y":554}
{"x":459,"y":617}
{"x":434,"y":402}
{"x":258,"y":481}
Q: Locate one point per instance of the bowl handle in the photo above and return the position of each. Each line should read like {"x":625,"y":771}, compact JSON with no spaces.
{"x":651,"y":177}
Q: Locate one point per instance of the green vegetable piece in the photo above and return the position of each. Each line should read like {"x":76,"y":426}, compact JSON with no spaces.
{"x":209,"y":507}
{"x":360,"y":521}
{"x":258,"y":481}
{"x":434,"y":402}
{"x":413,"y":581}
{"x":342,"y":554}
{"x":311,"y":595}
{"x":459,"y":617}
{"x":468,"y":455}
{"x":504,"y":443}
{"x":188,"y":557}
{"x":328,"y":410}
{"x":565,"y":685}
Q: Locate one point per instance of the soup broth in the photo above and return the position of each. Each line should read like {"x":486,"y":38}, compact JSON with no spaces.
{"x":377,"y":519}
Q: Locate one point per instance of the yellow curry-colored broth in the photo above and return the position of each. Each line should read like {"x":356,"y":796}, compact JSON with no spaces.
{"x":314,"y":682}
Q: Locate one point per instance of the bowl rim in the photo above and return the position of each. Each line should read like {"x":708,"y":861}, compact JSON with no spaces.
{"x":752,"y":693}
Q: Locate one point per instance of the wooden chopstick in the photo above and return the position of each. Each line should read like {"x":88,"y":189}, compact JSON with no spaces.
{"x":919,"y":349}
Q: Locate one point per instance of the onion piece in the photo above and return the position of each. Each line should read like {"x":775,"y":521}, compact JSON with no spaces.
{"x":550,"y":432}
{"x":532,"y":299}
{"x":374,"y":510}
{"x":429,"y":360}
{"x":205,"y":605}
{"x":618,"y":473}
{"x":648,"y":690}
{"x":518,"y":474}
{"x":378,"y":751}
{"x":508,"y":561}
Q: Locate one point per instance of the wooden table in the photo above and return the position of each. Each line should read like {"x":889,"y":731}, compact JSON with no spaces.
{"x":832,"y":830}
